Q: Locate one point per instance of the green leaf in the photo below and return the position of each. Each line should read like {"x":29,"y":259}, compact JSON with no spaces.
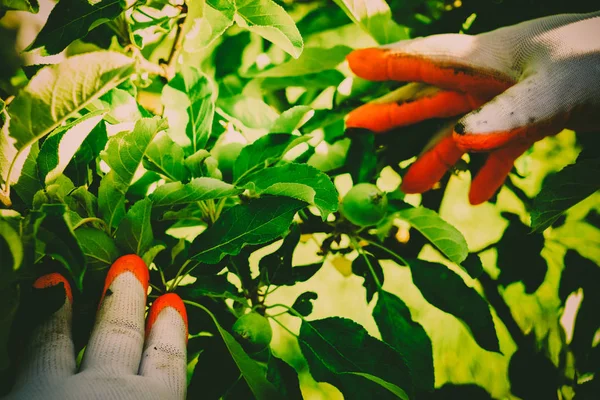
{"x":341,"y":352}
{"x":361,"y":268}
{"x":135,"y":232}
{"x":98,"y":248}
{"x":198,"y":189}
{"x":406,"y":336}
{"x":312,"y":61}
{"x":124,"y":154}
{"x":31,"y":6}
{"x":208,"y":285}
{"x":165,"y":156}
{"x":284,"y":377}
{"x":251,"y":112}
{"x":250,"y":370}
{"x":29,"y":183}
{"x":292,"y":119}
{"x":375,"y":18}
{"x":265,"y":152}
{"x":277,"y":268}
{"x":518,"y":248}
{"x":256,"y":222}
{"x":73,"y":19}
{"x":441,"y":234}
{"x":320,"y":80}
{"x":59,"y":91}
{"x":473,"y":265}
{"x":563,"y":190}
{"x":94,"y":143}
{"x":269,"y":20}
{"x":206,"y":22}
{"x":303,"y":304}
{"x":447,"y":291}
{"x":14,"y":246}
{"x":59,"y":148}
{"x":122,"y":105}
{"x":60,"y":242}
{"x":300,"y":181}
{"x":361,"y":160}
{"x":189,"y":99}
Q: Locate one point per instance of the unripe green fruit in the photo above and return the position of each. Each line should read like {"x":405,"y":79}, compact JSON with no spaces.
{"x":253,"y":331}
{"x":226,"y":155}
{"x":364,"y":205}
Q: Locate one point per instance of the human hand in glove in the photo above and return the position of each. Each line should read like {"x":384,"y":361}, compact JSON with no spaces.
{"x":121,"y":361}
{"x":516,"y":85}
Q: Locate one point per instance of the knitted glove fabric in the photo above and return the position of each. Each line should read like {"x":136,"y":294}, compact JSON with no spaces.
{"x":122,"y":360}
{"x":516,"y":85}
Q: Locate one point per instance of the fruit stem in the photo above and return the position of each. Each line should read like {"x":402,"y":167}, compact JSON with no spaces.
{"x":362,"y":253}
{"x":398,"y":257}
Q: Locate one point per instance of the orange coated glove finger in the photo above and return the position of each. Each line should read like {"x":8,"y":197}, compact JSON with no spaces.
{"x":118,"y":337}
{"x":494,"y":172}
{"x":410,"y":104}
{"x":451,"y":61}
{"x":165,"y":354}
{"x":431,"y":166}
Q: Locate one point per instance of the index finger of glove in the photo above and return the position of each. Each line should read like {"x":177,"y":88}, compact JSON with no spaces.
{"x":118,"y":336}
{"x":411,"y":104}
{"x":450,"y":61}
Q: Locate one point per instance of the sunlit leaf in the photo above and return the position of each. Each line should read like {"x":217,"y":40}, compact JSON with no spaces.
{"x":124,"y":154}
{"x":269,"y":20}
{"x":441,"y":234}
{"x":266,"y":151}
{"x":60,"y":147}
{"x":375,"y":18}
{"x":176,"y":193}
{"x":299,"y":181}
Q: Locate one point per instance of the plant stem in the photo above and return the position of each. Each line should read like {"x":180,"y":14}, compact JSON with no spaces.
{"x":283,"y":326}
{"x":398,"y":257}
{"x":88,"y":220}
{"x":171,"y":65}
{"x":362,"y":254}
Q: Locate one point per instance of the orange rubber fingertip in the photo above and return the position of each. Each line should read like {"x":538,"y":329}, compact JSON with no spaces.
{"x":370,"y":63}
{"x":128,"y":263}
{"x":369,"y":116}
{"x":431,"y":167}
{"x":385,"y":64}
{"x":494,"y":172}
{"x":54,"y":279}
{"x":162,"y":302}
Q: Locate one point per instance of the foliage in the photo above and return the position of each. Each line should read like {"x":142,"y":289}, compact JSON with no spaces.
{"x":208,"y":137}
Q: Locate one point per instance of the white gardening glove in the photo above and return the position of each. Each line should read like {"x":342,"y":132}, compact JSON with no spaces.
{"x":524,"y":82}
{"x":118,"y":363}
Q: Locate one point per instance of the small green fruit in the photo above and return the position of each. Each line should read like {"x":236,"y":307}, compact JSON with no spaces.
{"x":364,"y":205}
{"x":253,"y":331}
{"x":226,"y":155}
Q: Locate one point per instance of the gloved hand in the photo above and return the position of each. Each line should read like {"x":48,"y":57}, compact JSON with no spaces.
{"x":114,"y":365}
{"x":524,"y":82}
